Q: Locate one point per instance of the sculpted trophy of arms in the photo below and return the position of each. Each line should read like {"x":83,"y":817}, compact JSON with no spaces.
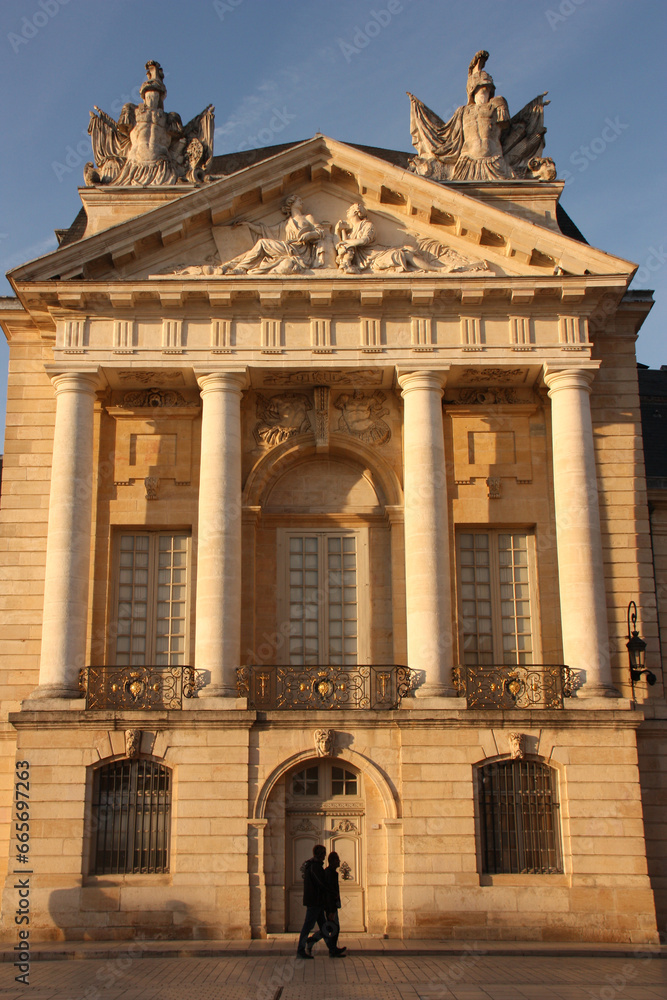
{"x":148,"y":145}
{"x":481,"y":142}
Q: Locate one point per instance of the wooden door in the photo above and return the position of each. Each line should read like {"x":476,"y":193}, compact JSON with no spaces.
{"x":325,"y":806}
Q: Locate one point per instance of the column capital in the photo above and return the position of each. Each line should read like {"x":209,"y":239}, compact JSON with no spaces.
{"x":222,"y":380}
{"x":431,"y":381}
{"x":578,"y":377}
{"x":87,"y":380}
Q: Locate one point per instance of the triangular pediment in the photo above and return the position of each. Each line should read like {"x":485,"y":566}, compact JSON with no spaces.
{"x":502,"y":230}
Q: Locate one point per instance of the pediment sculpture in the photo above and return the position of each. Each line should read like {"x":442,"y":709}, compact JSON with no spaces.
{"x":481,"y":142}
{"x":148,"y":145}
{"x":302,"y":245}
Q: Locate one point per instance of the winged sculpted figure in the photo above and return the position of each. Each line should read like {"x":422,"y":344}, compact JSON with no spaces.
{"x":148,"y":145}
{"x":481,"y":142}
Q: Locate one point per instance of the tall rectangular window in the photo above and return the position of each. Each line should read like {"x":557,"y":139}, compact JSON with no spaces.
{"x":323,"y":598}
{"x":495,"y":598}
{"x":152,"y":599}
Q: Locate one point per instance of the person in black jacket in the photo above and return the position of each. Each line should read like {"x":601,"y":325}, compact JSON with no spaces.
{"x":332,"y":905}
{"x":315,"y":895}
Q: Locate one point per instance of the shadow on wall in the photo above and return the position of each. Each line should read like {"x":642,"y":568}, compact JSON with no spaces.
{"x":94,"y":913}
{"x":653,"y":783}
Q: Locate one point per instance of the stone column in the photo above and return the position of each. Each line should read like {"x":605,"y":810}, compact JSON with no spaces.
{"x":580,"y":566}
{"x":67,"y":573}
{"x":427,"y":567}
{"x":218,"y":609}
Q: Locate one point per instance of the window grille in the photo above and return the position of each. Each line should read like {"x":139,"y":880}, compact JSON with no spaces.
{"x":519,"y":818}
{"x":131,"y":811}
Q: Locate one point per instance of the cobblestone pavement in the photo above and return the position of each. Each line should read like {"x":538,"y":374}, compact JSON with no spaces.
{"x":363,"y":977}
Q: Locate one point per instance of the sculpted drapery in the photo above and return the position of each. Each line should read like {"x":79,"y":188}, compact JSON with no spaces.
{"x":148,"y":145}
{"x":480,"y":142}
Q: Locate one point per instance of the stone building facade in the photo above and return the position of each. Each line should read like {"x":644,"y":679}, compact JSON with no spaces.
{"x":323,"y":505}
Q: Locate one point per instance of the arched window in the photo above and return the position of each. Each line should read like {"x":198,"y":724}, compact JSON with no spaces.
{"x":519,"y":818}
{"x":131,"y":818}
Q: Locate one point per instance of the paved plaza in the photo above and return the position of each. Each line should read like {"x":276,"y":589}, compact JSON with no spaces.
{"x":386,"y":971}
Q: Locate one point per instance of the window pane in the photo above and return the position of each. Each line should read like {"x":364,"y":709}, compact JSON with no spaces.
{"x":495,"y":608}
{"x":306,"y":782}
{"x":132,"y":594}
{"x":152,"y":601}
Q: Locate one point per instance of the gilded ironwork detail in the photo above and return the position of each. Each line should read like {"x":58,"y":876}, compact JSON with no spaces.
{"x":324,"y":687}
{"x":346,"y":872}
{"x":529,"y":686}
{"x":143,"y":687}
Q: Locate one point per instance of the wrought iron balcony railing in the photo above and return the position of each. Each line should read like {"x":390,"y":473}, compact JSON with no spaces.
{"x":147,"y":687}
{"x":536,"y":685}
{"x":324,"y":686}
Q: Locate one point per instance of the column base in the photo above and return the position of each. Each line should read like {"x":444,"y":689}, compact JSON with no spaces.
{"x":430,"y":689}
{"x":433,"y":695}
{"x":58,"y":692}
{"x":219,"y":691}
{"x":215,"y":697}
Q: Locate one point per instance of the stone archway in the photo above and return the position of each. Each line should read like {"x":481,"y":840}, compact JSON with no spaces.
{"x":362,"y":826}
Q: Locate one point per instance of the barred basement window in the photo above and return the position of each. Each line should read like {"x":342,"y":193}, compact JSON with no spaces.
{"x":131,"y":815}
{"x":519,"y":818}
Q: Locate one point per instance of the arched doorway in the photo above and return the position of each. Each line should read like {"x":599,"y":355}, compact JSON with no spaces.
{"x":325,"y":804}
{"x":363,"y":826}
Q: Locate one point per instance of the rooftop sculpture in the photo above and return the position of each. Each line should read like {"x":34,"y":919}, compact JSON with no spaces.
{"x":481,"y":142}
{"x":148,"y":145}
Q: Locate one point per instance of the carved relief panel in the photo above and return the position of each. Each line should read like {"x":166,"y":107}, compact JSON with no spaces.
{"x":492,"y":444}
{"x":153,"y":437}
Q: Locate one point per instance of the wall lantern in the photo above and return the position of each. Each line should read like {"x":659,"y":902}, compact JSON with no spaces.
{"x":636,"y":650}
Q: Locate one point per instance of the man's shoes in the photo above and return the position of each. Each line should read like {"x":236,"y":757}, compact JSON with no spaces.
{"x":309,"y":947}
{"x":338,"y":953}
{"x":304,"y":954}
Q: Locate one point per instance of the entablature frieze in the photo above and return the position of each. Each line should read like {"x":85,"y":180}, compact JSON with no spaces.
{"x":350,"y":331}
{"x":152,"y":391}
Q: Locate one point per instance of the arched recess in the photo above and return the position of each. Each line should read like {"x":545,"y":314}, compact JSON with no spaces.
{"x":379,"y":833}
{"x":276,"y":462}
{"x":346,"y":490}
{"x":370,"y":770}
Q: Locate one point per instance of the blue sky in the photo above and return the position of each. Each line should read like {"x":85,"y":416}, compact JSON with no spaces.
{"x":281,"y":70}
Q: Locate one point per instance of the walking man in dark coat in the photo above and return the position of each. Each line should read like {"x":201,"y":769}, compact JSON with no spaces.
{"x":314,"y":899}
{"x":332,"y":905}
